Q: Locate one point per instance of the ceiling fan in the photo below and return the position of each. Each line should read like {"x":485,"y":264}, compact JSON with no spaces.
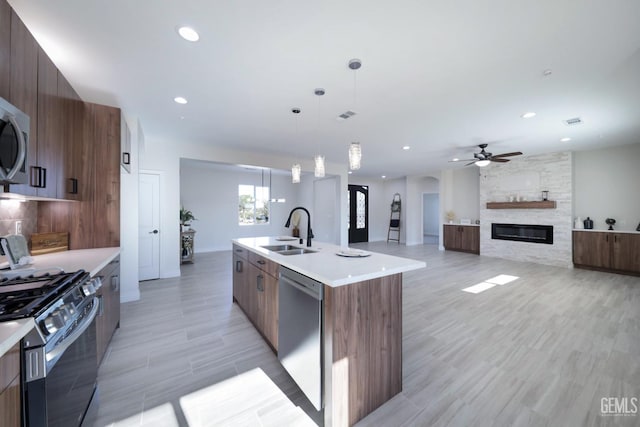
{"x":483,"y":158}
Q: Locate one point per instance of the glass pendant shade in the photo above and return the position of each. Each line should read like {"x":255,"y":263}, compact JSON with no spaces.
{"x":355,"y":155}
{"x":295,"y":173}
{"x":319,"y":169}
{"x":482,"y":163}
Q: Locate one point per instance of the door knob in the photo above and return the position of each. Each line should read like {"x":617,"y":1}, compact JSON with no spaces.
{"x":153,"y":232}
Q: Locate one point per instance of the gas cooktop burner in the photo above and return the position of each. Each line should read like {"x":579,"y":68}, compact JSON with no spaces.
{"x":28,"y":297}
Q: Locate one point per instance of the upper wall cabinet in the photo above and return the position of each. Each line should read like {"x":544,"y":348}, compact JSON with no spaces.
{"x":23,"y":91}
{"x":74,"y":177}
{"x":48,"y":145}
{"x":5,"y":49}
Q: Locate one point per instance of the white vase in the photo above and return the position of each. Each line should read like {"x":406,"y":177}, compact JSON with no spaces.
{"x":578,"y":224}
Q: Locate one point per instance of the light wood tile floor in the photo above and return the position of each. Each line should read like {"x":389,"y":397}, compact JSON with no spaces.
{"x":542,"y":350}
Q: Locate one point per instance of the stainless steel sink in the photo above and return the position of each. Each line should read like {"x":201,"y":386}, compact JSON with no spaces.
{"x":278,"y":248}
{"x":296,"y":251}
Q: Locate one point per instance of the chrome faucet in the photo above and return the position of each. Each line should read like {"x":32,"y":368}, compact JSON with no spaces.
{"x":309,"y":232}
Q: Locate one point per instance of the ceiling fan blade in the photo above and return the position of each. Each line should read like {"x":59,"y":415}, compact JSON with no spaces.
{"x":473,"y":162}
{"x":500,"y":160}
{"x":515,"y":153}
{"x":462,"y":160}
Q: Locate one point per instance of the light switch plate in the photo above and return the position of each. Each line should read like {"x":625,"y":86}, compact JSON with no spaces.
{"x":18,"y":227}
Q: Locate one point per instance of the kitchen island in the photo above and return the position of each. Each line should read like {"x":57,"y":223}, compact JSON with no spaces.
{"x":361,"y":321}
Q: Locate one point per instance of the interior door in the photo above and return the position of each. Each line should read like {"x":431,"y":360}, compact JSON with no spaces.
{"x":358,"y":213}
{"x":149,"y":227}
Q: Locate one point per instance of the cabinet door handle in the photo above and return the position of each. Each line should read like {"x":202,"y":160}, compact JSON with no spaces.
{"x":38,"y":177}
{"x":259,"y":282}
{"x":239,"y":266}
{"x":115,"y":283}
{"x":100,"y":306}
{"x":238,"y":250}
{"x":74,"y":186}
{"x":607,"y":237}
{"x":615,"y":238}
{"x":261,"y":262}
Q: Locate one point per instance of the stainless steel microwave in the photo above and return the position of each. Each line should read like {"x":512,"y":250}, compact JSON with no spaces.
{"x":14,"y":143}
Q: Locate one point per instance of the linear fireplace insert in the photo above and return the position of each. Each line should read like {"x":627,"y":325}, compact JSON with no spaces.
{"x":523,"y":233}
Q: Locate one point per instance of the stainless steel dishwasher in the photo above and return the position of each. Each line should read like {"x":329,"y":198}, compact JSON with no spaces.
{"x":300,"y":332}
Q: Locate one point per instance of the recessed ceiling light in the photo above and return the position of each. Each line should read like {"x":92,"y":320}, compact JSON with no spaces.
{"x":189,"y":34}
{"x":455,"y":159}
{"x":384,"y":176}
{"x":350,"y":172}
{"x":528,"y":115}
{"x":180,"y":100}
{"x":565,"y":139}
{"x":406,"y":147}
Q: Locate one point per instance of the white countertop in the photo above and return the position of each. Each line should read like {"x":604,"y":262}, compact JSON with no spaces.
{"x":90,"y":260}
{"x":608,"y":231}
{"x":327,"y":267}
{"x":12,"y":332}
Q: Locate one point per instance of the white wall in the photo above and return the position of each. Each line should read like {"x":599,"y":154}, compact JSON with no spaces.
{"x":129,"y":290}
{"x":212,"y":196}
{"x":431,"y":214}
{"x":325,"y":219}
{"x":164,"y":156}
{"x":465,"y":200}
{"x":527,"y":177}
{"x":606,"y":186}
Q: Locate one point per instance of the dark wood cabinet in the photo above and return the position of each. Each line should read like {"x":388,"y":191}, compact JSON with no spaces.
{"x":23,"y":91}
{"x":103,"y":125}
{"x":5,"y":49}
{"x":608,"y":251}
{"x":626,"y":252}
{"x":10,"y":397}
{"x":592,"y":249}
{"x":108,"y":319}
{"x":48,"y":146}
{"x":462,"y":238}
{"x":75,"y":174}
{"x":255,"y":290}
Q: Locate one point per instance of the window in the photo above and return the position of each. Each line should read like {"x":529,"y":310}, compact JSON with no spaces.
{"x":253,"y":207}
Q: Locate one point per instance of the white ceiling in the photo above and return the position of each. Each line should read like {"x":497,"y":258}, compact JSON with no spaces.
{"x":440,"y":76}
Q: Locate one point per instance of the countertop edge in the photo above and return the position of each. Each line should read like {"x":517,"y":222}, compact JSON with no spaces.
{"x":12,"y":332}
{"x":589,"y":230}
{"x":285,"y":262}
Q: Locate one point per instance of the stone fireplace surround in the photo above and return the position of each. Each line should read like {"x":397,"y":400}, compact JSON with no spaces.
{"x":527,"y":177}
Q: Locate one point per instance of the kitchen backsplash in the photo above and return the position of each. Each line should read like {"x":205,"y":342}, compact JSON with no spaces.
{"x":12,"y":211}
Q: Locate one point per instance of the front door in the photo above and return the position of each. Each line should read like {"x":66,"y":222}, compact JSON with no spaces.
{"x":358,"y":197}
{"x":149,"y":224}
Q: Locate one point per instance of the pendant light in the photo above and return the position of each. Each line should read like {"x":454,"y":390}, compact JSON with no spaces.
{"x":319,"y":169}
{"x":355,"y":155}
{"x":295,"y":169}
{"x":319,"y":159}
{"x":295,"y":173}
{"x":355,"y":150}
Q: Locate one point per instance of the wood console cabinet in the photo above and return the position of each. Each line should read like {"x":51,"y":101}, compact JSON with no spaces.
{"x":108,"y":319}
{"x":462,"y":238}
{"x":608,"y":251}
{"x":10,"y":403}
{"x":255,"y":289}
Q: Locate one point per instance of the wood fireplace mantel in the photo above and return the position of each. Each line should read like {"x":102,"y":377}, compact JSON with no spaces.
{"x":539,"y":204}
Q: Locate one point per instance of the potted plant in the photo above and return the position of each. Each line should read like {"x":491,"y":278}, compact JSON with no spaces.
{"x":450,"y":216}
{"x":186,"y":217}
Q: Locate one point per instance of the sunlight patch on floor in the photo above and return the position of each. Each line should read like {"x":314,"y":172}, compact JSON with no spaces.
{"x":480,"y":287}
{"x":249,"y":398}
{"x":502,"y":279}
{"x":499,"y":280}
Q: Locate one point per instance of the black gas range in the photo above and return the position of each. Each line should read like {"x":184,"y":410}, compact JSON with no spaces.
{"x":59,"y":362}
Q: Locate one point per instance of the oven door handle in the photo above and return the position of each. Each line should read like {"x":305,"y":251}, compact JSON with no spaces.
{"x":66,"y":343}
